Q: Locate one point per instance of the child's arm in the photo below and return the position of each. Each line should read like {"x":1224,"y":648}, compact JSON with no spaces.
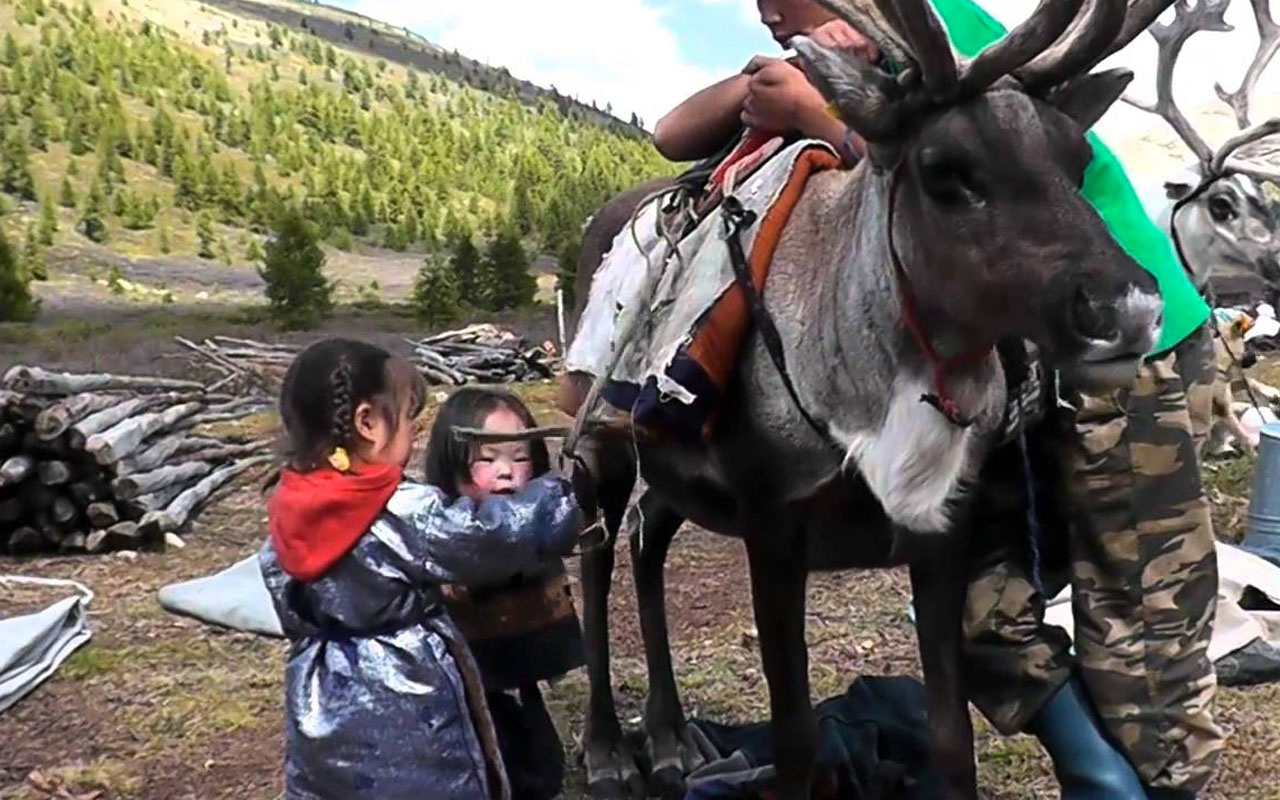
{"x":486,"y":542}
{"x":702,"y":124}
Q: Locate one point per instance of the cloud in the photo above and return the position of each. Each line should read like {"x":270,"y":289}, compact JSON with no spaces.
{"x":620,"y":51}
{"x":748,"y":11}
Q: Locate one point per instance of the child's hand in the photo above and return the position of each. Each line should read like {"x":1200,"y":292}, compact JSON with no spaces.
{"x":579,"y":475}
{"x":780,"y":99}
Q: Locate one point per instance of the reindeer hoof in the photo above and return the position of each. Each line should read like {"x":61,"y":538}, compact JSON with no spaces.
{"x":615,"y":776}
{"x":673,"y":756}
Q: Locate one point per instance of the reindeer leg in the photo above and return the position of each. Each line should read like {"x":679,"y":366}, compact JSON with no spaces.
{"x":612,"y":773}
{"x":652,"y":526}
{"x":778,"y":573}
{"x":938,"y":585}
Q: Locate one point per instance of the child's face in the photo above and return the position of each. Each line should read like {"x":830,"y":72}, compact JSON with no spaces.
{"x":502,"y":468}
{"x":786,"y":18}
{"x":381,"y":442}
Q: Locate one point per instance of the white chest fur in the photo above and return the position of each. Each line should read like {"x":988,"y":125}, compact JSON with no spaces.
{"x":916,"y":460}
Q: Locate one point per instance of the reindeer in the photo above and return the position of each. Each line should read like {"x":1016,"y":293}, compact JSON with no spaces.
{"x":964,"y":225}
{"x":1228,"y":229}
{"x":1224,"y":225}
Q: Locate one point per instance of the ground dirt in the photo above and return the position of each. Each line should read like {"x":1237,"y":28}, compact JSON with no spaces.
{"x":165,"y":708}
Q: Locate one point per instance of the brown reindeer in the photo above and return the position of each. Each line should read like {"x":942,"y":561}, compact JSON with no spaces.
{"x":967,"y":210}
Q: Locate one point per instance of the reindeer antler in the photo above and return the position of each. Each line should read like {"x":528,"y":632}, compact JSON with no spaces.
{"x":1080,"y":48}
{"x":1061,"y":39}
{"x":1206,"y":15}
{"x":1268,"y":45}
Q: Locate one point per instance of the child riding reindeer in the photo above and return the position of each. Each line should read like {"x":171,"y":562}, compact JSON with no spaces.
{"x":1155,"y":700}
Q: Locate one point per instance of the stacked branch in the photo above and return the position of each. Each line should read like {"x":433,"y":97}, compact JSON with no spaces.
{"x":95,"y":463}
{"x":476,"y":354}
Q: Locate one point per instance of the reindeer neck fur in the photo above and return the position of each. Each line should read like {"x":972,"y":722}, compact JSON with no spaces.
{"x":836,"y":301}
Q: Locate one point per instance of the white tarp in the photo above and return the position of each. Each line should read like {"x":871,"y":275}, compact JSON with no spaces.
{"x":32,"y":646}
{"x":235,"y":598}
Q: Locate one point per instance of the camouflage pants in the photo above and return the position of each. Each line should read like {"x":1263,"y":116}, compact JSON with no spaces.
{"x":1144,"y":578}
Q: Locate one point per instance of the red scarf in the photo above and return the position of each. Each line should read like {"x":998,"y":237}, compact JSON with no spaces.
{"x":317,"y":517}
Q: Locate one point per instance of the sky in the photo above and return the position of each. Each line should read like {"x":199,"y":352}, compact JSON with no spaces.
{"x":645,"y":56}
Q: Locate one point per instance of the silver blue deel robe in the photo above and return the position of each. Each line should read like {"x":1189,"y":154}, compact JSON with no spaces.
{"x":383,"y":699}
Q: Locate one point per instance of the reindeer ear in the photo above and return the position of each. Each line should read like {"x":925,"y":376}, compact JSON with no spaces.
{"x":1088,"y":97}
{"x":869,"y":101}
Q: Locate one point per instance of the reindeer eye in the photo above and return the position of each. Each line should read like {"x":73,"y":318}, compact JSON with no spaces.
{"x":1221,"y":209}
{"x":947,"y":180}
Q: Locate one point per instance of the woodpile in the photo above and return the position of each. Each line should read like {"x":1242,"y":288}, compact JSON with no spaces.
{"x":96,"y":463}
{"x":475,"y":354}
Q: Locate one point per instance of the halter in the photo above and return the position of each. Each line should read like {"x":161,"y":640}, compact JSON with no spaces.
{"x":735,"y":218}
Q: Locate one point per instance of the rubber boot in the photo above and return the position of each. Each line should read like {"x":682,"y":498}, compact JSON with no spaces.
{"x":1088,"y":766}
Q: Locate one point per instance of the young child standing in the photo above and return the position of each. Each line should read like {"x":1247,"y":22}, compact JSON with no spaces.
{"x":521,"y":630}
{"x":383,"y":698}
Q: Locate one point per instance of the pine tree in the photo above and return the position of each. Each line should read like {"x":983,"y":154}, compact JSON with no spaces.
{"x":435,"y":293}
{"x":297,"y":291}
{"x":253,"y":253}
{"x":11,"y":54}
{"x":464,"y":263}
{"x":48,"y":220}
{"x":32,"y":265}
{"x":165,"y":245}
{"x":91,"y":224}
{"x":39,"y":128}
{"x":15,"y":172}
{"x":567,"y":270}
{"x":204,"y":232}
{"x":506,"y":272}
{"x":76,"y":139}
{"x":16,"y":302}
{"x":67,"y":198}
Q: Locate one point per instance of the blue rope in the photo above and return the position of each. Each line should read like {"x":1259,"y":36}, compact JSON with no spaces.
{"x":1033,"y":516}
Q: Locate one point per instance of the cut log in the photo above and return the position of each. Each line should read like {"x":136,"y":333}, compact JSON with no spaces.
{"x":15,"y":470}
{"x":160,"y":499}
{"x":57,"y":418}
{"x":86,"y":492}
{"x":136,"y":485}
{"x":11,"y":510}
{"x":224,"y":452}
{"x":156,"y":454}
{"x":111,"y":445}
{"x":157,"y":523}
{"x":73,"y":543}
{"x":9,"y":439}
{"x":102,"y":515}
{"x":54,"y":473}
{"x":102,"y":420}
{"x":34,"y":380}
{"x":25,"y":541}
{"x":51,"y":534}
{"x":64,"y":513}
{"x":228,"y":416}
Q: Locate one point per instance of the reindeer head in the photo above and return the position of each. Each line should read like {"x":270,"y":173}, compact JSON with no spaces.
{"x":986,"y":163}
{"x":1220,"y":214}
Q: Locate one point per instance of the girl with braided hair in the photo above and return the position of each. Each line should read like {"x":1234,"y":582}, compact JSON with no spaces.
{"x":383,"y":697}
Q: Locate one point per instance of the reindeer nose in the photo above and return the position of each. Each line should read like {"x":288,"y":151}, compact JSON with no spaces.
{"x":1089,"y":318}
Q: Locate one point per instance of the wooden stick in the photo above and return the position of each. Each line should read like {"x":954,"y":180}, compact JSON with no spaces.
{"x":129,"y":487}
{"x":179,"y":511}
{"x":161,"y":498}
{"x":482,"y":436}
{"x":57,"y":418}
{"x":228,"y":416}
{"x":157,"y":453}
{"x":9,"y":438}
{"x":109,"y":446}
{"x":229,"y":451}
{"x":63,"y":512}
{"x":34,"y":380}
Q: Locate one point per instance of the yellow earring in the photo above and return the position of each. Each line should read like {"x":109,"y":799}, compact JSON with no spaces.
{"x":339,"y":459}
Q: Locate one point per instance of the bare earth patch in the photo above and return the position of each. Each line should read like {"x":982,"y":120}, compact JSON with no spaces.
{"x":161,"y":707}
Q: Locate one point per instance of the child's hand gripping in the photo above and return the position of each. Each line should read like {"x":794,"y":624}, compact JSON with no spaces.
{"x":584,"y":482}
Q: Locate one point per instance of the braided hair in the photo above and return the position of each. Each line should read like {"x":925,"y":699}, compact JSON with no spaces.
{"x":324,"y":386}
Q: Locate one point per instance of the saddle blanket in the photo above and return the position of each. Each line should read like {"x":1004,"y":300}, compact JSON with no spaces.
{"x":687,"y":318}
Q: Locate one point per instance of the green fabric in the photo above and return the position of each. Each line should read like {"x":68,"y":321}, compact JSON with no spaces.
{"x":1108,"y":188}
